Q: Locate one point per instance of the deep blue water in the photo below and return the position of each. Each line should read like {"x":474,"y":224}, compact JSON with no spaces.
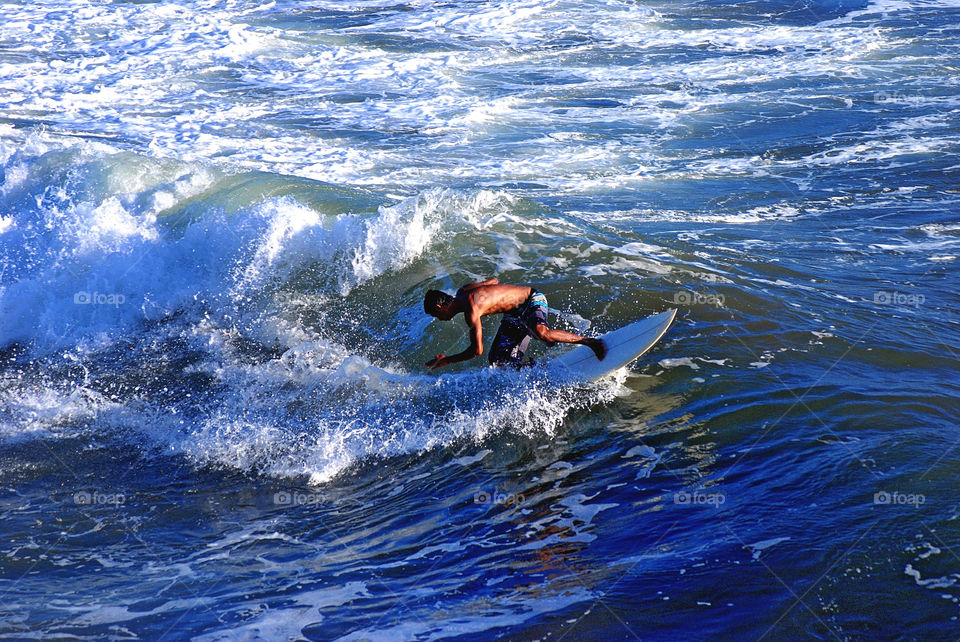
{"x":217,"y":223}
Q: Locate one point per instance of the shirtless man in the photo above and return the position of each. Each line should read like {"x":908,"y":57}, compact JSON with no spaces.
{"x":524,"y":316}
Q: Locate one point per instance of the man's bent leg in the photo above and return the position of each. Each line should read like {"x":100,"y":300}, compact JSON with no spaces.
{"x":542,"y":332}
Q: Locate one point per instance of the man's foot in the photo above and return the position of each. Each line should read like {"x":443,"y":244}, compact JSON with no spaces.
{"x":598,"y":346}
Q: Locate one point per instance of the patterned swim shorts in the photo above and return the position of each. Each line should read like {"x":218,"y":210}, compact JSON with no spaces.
{"x":516,"y":329}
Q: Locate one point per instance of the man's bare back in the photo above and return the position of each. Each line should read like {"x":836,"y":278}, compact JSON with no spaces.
{"x":492,"y":297}
{"x":525,"y":315}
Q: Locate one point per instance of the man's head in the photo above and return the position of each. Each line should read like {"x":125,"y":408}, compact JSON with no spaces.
{"x":438,"y":304}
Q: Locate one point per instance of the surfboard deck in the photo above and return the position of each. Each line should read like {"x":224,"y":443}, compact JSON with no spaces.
{"x":623,"y":346}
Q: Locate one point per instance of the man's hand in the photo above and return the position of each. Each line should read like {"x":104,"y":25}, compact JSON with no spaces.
{"x":437,"y":361}
{"x":598,"y":346}
{"x":474,"y":350}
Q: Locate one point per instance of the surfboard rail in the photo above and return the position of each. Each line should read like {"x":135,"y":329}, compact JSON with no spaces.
{"x":624,"y":345}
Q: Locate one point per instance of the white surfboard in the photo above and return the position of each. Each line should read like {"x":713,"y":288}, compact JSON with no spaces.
{"x":623,"y":346}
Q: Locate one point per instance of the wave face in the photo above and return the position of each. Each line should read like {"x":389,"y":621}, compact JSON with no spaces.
{"x":266,"y":291}
{"x":218,"y":220}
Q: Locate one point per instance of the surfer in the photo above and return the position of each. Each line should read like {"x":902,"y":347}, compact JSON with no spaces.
{"x":524,"y":316}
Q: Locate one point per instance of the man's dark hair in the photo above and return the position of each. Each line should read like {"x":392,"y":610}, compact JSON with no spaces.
{"x":435,"y":299}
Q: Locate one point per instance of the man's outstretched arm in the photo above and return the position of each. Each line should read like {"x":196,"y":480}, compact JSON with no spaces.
{"x":474,"y":350}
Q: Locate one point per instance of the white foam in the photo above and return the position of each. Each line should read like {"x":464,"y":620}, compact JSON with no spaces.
{"x":942,"y":582}
{"x":642,"y":449}
{"x":470,"y":618}
{"x":289,"y":621}
{"x":162,"y":82}
{"x":677,"y":362}
{"x":37,"y":410}
{"x":467,"y":461}
{"x":886,"y":7}
{"x":759,"y":547}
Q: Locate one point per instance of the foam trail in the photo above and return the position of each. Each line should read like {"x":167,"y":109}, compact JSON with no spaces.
{"x":136,"y":260}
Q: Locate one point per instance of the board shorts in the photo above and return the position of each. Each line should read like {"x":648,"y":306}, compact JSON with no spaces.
{"x":516,"y":330}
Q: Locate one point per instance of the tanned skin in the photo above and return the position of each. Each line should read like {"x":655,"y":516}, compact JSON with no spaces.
{"x":476,"y":300}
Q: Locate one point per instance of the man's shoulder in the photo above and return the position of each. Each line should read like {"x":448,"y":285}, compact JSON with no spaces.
{"x":482,"y":286}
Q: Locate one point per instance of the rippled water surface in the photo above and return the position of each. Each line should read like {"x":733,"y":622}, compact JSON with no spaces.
{"x":218,"y":220}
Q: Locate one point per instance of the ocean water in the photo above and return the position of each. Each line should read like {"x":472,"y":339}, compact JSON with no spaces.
{"x":217,"y":222}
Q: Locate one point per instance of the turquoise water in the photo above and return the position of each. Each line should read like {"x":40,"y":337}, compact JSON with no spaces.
{"x":217,"y":224}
